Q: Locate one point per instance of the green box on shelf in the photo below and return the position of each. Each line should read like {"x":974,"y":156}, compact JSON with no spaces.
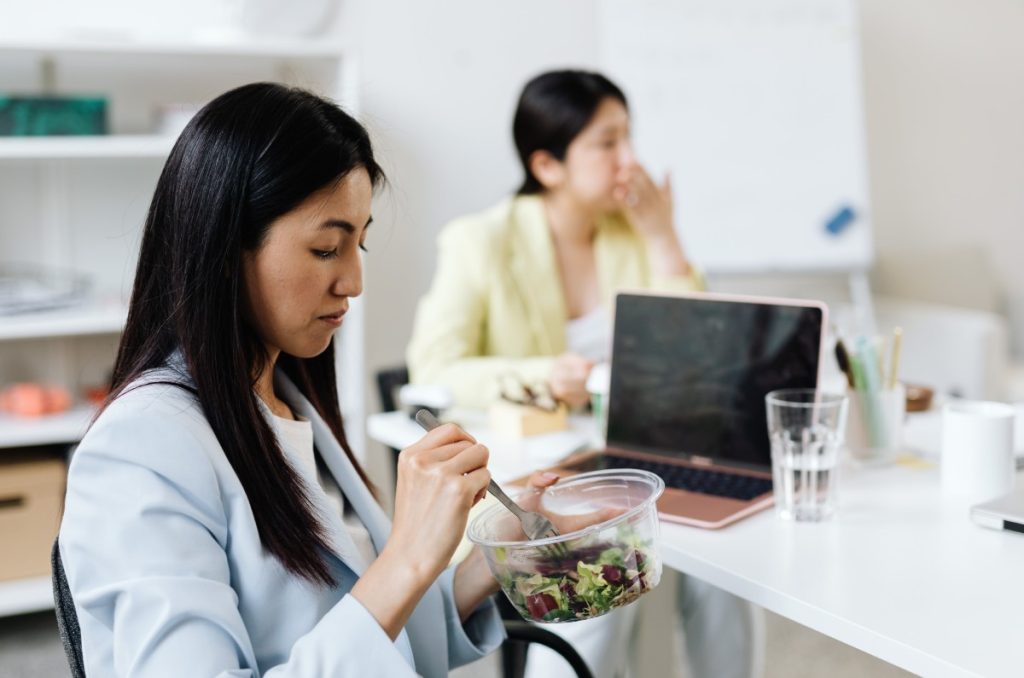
{"x":31,"y":116}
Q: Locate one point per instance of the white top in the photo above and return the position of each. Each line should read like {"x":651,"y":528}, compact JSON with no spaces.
{"x":296,"y":440}
{"x":590,"y":335}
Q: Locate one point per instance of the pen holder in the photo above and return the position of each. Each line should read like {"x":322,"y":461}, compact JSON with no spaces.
{"x":874,"y":431}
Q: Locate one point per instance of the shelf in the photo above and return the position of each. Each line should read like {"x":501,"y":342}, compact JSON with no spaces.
{"x":238,"y":46}
{"x":113,"y":146}
{"x":21,"y":596}
{"x":64,"y":322}
{"x":55,"y":429}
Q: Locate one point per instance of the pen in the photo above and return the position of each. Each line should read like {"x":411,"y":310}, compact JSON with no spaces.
{"x":894,"y":364}
{"x":872,"y":387}
{"x":843,"y":358}
{"x":857,"y":372}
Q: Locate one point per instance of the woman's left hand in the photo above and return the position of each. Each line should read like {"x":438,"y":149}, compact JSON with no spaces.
{"x":473,"y":578}
{"x":565,"y":524}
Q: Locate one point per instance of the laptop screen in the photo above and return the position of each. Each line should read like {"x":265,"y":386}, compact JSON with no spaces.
{"x":689,"y":374}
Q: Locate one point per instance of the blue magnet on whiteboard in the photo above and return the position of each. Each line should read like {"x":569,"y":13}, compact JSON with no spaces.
{"x":839,"y":221}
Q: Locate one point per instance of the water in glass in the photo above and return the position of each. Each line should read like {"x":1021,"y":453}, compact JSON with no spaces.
{"x":806,"y":429}
{"x":804,"y":473}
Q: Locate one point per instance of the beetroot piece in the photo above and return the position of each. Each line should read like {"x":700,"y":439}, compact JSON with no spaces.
{"x":612,"y":574}
{"x":540,"y":604}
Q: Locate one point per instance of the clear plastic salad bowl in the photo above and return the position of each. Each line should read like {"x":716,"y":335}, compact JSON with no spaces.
{"x":605,"y":557}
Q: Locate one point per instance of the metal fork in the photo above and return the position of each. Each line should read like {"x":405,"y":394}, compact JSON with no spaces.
{"x":534,"y":524}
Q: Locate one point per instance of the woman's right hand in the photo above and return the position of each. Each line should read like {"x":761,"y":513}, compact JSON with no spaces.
{"x":648,"y":206}
{"x":440,"y":478}
{"x":569,"y":379}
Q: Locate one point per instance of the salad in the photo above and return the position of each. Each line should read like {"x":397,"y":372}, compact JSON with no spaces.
{"x":592,"y":579}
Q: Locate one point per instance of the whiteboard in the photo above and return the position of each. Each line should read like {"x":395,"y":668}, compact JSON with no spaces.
{"x":755,"y":109}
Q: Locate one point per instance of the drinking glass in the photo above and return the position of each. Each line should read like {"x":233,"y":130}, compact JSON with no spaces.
{"x":806,"y":428}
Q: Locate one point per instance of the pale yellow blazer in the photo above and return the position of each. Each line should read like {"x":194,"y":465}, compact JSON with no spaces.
{"x":496,"y":304}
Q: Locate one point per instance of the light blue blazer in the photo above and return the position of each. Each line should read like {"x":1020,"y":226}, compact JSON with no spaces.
{"x":169,"y":577}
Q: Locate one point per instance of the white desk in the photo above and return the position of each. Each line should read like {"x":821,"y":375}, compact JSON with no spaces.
{"x":898,"y":573}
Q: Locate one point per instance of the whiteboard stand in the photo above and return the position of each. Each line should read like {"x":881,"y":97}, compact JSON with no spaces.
{"x":863,"y":306}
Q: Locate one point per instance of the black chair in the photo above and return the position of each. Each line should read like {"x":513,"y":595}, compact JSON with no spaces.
{"x":388,"y":383}
{"x":520,"y":633}
{"x":67,"y":618}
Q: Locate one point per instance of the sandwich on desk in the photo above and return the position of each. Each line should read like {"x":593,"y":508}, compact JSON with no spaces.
{"x":689,"y":377}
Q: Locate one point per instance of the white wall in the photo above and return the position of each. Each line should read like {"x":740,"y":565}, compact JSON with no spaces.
{"x":944,"y":83}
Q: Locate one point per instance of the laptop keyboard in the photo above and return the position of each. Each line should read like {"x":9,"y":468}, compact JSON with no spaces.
{"x":704,"y":481}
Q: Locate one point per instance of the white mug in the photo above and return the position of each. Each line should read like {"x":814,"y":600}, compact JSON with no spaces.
{"x":977,"y":450}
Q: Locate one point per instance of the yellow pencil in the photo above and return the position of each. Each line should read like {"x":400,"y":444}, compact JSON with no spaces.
{"x":894,"y":364}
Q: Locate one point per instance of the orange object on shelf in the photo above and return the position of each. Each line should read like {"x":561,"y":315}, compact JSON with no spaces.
{"x":96,"y":394}
{"x":29,"y":399}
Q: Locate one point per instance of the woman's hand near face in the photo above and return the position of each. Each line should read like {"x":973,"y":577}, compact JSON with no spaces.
{"x":440,"y":478}
{"x":648,"y":205}
{"x":649,"y":208}
{"x":569,"y":379}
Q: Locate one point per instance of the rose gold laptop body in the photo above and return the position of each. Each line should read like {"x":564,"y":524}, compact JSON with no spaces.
{"x":693,"y":508}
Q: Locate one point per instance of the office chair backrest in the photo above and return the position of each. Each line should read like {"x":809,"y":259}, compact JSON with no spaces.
{"x":67,"y":618}
{"x":388,"y":383}
{"x":521,"y":634}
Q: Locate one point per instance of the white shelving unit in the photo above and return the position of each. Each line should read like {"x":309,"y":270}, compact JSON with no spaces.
{"x":57,"y":148}
{"x":78,"y":203}
{"x":25,"y":595}
{"x":54,"y":429}
{"x":94,"y":318}
{"x":304,"y":48}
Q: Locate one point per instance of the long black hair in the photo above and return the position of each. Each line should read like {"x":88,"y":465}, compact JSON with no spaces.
{"x":248,"y":157}
{"x":553,"y":108}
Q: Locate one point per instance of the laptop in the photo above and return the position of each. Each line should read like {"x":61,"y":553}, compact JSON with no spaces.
{"x":689,"y":376}
{"x":1003,"y":513}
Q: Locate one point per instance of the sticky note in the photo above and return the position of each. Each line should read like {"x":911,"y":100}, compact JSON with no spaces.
{"x":839,"y":221}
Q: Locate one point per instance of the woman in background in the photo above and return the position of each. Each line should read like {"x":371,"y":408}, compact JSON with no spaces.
{"x":216,"y":522}
{"x":526,"y":288}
